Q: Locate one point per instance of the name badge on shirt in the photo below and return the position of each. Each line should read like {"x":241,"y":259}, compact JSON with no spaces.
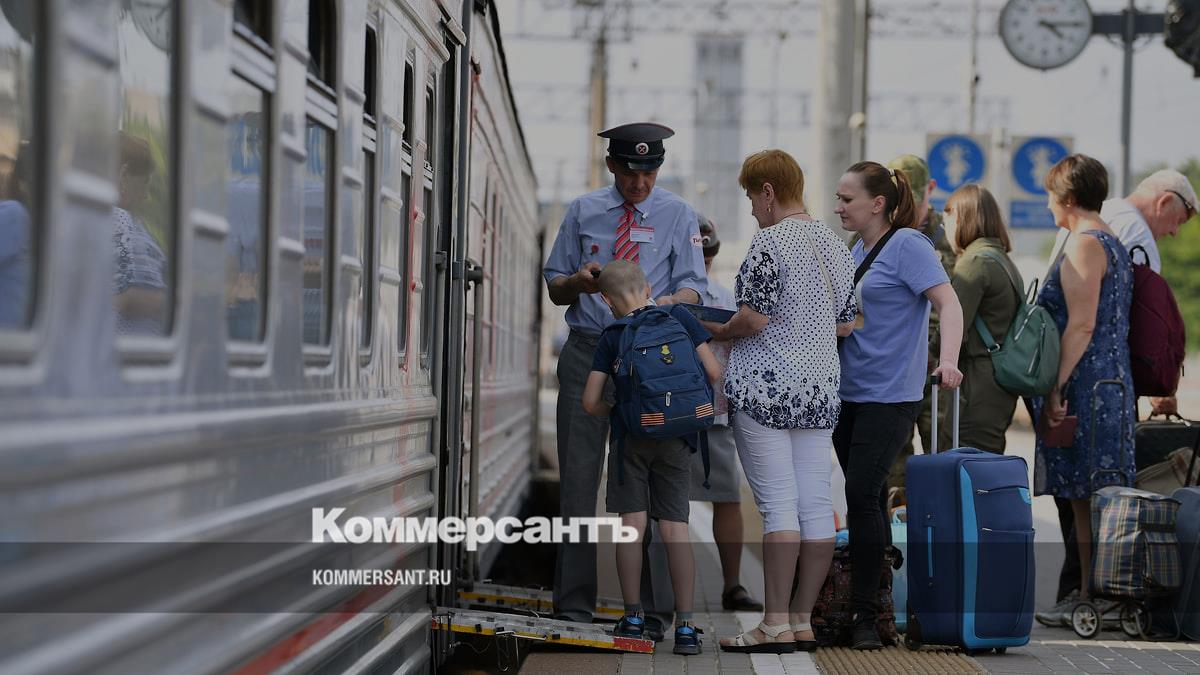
{"x":641,"y":234}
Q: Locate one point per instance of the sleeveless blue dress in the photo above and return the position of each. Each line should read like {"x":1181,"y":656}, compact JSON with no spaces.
{"x":1077,"y":471}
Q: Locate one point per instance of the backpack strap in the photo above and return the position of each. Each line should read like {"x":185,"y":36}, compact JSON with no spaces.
{"x":1145,"y":256}
{"x":984,"y":333}
{"x":704,"y":456}
{"x":991,"y":255}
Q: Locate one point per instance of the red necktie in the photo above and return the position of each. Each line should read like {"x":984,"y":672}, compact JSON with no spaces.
{"x":625,"y":248}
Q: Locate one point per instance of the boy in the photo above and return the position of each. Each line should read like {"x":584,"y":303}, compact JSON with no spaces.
{"x":655,"y":475}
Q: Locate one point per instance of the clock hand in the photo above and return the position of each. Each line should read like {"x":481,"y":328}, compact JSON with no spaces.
{"x":1053,"y":28}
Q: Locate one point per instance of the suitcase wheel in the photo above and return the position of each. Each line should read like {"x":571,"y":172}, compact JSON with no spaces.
{"x":1001,"y":650}
{"x":912,"y":633}
{"x":1085,"y":620}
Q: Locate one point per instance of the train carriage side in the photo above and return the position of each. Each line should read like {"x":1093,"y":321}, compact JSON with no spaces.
{"x":226,"y":313}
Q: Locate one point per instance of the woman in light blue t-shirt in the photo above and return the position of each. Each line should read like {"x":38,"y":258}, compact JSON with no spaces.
{"x":884,"y":362}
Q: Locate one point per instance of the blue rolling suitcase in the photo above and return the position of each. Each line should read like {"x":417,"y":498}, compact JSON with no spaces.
{"x":970,"y":547}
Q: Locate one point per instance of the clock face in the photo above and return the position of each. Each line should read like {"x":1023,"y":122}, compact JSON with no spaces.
{"x":1045,"y":33}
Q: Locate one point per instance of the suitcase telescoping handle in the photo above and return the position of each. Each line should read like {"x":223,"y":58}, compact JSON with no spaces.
{"x":934,"y":381}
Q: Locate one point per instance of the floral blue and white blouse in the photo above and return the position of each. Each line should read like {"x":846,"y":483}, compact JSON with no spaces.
{"x":786,"y":376}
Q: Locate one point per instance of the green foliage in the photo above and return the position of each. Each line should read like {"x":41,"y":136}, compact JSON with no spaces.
{"x":1181,"y":261}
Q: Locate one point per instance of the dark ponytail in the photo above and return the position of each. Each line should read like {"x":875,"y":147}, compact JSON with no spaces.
{"x":880,"y":181}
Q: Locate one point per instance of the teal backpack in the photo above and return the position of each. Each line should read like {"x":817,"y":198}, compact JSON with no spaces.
{"x":1027,"y":364}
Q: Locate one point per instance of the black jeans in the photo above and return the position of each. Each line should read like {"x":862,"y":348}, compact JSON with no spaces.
{"x":1071,"y":575}
{"x":867,"y":439}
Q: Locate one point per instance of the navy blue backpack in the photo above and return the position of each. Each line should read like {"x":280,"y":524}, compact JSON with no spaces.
{"x":662,"y":388}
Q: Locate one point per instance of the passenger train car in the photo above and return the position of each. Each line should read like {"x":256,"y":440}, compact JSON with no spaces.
{"x":256,"y":257}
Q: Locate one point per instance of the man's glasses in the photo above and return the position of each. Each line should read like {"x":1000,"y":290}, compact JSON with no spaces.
{"x":1189,"y":209}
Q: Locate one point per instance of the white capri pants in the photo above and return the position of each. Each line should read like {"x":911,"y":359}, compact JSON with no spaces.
{"x":788,"y":471}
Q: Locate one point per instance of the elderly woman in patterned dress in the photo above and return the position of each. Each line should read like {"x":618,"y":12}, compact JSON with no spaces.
{"x":795,"y":295}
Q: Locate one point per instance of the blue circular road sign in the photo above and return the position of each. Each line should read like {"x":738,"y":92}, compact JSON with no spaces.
{"x":1033,"y":160}
{"x":955,"y":161}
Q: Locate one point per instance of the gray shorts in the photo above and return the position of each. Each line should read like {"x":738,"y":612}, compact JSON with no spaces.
{"x":725,"y":473}
{"x":656,"y":478}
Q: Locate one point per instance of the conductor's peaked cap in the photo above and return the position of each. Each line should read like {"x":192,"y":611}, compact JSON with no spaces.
{"x":638,"y":146}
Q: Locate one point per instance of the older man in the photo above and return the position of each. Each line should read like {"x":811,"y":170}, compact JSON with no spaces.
{"x":1160,"y":205}
{"x":629,"y":220}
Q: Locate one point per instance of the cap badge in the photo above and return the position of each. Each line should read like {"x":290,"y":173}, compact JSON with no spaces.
{"x":641,"y":148}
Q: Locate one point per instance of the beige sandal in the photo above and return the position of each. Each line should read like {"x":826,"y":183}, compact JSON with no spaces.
{"x":804,"y":645}
{"x":747,"y":644}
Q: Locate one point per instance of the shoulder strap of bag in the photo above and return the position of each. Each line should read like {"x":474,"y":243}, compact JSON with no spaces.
{"x":980,"y":327}
{"x":635,"y":322}
{"x":991,"y":255}
{"x":874,"y":253}
{"x":824,"y":273}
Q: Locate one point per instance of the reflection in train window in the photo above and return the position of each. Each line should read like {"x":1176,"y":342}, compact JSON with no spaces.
{"x":246,"y":252}
{"x":143,"y":233}
{"x":18,"y":152}
{"x":253,"y":15}
{"x":318,"y":220}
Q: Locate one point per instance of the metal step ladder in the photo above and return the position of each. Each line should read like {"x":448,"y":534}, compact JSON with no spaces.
{"x":536,"y":600}
{"x":534,"y":628}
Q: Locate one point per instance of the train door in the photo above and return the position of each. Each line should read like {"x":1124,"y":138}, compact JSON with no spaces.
{"x":453,"y":110}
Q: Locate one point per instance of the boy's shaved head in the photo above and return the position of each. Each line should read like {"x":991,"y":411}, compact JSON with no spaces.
{"x":621,"y":278}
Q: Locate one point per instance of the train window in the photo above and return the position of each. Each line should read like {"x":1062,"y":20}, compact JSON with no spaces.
{"x":18,"y":153}
{"x":246,"y":201}
{"x":429,"y":294}
{"x":318,"y":231}
{"x":369,"y":77}
{"x":430,"y":125}
{"x":366,"y":251}
{"x":252,"y":15}
{"x":409,"y":94}
{"x":322,"y":28}
{"x":402,"y":259}
{"x":143,"y":232}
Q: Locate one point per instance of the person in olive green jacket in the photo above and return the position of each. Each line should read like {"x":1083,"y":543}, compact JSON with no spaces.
{"x":988,"y":285}
{"x":917,"y":173}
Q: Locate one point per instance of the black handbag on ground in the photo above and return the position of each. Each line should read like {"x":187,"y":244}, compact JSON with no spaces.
{"x":1154,"y":439}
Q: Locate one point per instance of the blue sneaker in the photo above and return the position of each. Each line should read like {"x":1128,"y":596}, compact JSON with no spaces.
{"x":630,"y":626}
{"x":687,"y":640}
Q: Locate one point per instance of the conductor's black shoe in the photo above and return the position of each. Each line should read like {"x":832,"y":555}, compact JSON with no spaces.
{"x":865,"y":637}
{"x":654,"y":629}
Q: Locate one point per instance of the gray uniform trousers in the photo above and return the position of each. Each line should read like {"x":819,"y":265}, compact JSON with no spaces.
{"x":581,"y":442}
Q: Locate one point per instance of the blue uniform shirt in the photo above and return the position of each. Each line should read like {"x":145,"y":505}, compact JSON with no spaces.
{"x":674,"y":260}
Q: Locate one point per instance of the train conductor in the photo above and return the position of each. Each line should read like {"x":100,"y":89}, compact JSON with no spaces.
{"x":630,"y":220}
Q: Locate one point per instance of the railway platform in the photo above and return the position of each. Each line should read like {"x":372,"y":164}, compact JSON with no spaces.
{"x":1051,"y":651}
